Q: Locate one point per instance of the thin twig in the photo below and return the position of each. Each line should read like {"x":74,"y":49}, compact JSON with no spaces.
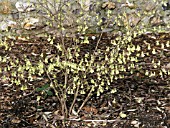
{"x":74,"y":100}
{"x":65,"y":92}
{"x":56,"y":93}
{"x":115,"y":120}
{"x":98,"y":42}
{"x":65,"y":78}
{"x":84,"y":102}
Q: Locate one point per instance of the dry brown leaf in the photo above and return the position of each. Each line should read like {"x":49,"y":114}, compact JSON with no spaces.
{"x":90,"y":109}
{"x":16,"y":120}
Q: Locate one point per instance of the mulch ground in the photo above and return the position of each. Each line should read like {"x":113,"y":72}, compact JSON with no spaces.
{"x":139,"y":102}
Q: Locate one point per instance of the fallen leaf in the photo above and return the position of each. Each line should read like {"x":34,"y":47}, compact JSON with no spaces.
{"x":90,"y":110}
{"x":16,"y":120}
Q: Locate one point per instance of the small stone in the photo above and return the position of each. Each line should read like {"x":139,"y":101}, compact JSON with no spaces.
{"x":129,"y":5}
{"x":22,"y":7}
{"x":3,"y":26}
{"x":109,"y":5}
{"x":12,"y":24}
{"x":30,"y":23}
{"x":156,"y":20}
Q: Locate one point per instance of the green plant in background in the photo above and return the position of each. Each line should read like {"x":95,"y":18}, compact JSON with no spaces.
{"x":75,"y":67}
{"x":45,"y":90}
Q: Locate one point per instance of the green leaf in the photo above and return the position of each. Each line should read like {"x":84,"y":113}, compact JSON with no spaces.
{"x":39,"y":89}
{"x":39,"y":107}
{"x":49,"y":93}
{"x":43,"y":88}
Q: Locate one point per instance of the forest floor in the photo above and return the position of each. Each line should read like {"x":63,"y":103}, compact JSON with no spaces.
{"x":139,"y":102}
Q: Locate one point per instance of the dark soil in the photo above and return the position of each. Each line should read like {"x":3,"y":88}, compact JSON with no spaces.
{"x":144,"y":101}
